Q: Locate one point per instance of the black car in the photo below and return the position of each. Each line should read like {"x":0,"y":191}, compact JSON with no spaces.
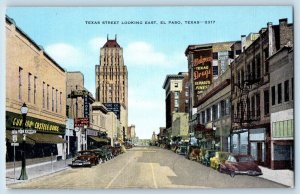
{"x":206,"y":158}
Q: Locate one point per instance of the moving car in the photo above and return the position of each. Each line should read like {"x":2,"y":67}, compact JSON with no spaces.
{"x":240,"y":164}
{"x":85,"y":158}
{"x":206,"y":158}
{"x":220,"y":157}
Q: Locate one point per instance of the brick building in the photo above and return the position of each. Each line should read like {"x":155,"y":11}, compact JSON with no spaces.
{"x":34,"y":78}
{"x":282,"y":108}
{"x":250,"y":83}
{"x":176,"y":87}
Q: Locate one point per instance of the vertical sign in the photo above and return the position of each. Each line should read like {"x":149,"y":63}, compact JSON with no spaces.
{"x":114,"y":107}
{"x":202,"y":70}
{"x":86,"y":106}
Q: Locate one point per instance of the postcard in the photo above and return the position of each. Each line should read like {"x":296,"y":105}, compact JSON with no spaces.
{"x":155,"y":97}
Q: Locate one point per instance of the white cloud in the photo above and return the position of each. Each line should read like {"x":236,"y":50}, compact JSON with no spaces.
{"x":66,"y":55}
{"x":143,"y":53}
{"x":96,"y":43}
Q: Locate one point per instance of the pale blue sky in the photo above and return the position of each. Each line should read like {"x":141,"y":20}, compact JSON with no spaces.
{"x":150,"y":51}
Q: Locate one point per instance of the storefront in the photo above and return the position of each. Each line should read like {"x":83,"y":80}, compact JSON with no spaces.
{"x":47,"y":141}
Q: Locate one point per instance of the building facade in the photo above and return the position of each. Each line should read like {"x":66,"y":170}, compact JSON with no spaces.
{"x":112,"y":78}
{"x":206,"y":62}
{"x":282,"y":108}
{"x":34,"y":78}
{"x":79,"y":101}
{"x":176,"y":95}
{"x":250,"y":91}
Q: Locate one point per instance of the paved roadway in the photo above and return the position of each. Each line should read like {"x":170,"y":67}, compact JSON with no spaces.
{"x":145,"y":167}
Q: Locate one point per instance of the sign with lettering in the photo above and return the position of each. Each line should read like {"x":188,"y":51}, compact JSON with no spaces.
{"x":81,"y":122}
{"x":113,"y":107}
{"x":14,"y":120}
{"x":202,"y":70}
{"x":86,"y":105}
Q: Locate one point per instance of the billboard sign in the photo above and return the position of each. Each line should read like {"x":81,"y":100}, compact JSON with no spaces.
{"x":113,"y":107}
{"x":202,"y":70}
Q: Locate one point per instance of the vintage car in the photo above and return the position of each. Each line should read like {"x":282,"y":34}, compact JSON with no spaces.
{"x":240,"y":164}
{"x":193,"y":153}
{"x":103,"y":153}
{"x":206,"y":158}
{"x":181,"y":150}
{"x":85,"y":158}
{"x":220,"y":157}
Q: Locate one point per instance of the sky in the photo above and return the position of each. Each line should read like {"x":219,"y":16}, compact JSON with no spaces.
{"x":151,"y":51}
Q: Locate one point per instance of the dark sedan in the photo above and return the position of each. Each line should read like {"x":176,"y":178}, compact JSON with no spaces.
{"x":240,"y":164}
{"x":85,"y":158}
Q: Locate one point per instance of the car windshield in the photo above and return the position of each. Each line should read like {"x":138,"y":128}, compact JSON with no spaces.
{"x":86,"y":153}
{"x":245,"y":159}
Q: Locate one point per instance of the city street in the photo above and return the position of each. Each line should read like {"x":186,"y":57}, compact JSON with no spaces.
{"x":145,"y":167}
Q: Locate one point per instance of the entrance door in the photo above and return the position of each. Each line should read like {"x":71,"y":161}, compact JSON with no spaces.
{"x":258,"y":152}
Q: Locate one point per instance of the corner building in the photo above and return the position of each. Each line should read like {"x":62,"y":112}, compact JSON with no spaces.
{"x":112,"y":79}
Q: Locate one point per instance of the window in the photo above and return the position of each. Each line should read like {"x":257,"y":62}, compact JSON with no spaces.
{"x":227,"y":107}
{"x":48,"y":97}
{"x":258,"y":64}
{"x":60,"y":107}
{"x":215,"y":55}
{"x":222,"y":111}
{"x":257,"y":105}
{"x":43,"y":94}
{"x":20,"y":83}
{"x":253,"y":106}
{"x":208,"y":118}
{"x":286,"y":91}
{"x":266,"y":102}
{"x":176,"y":109}
{"x":215,"y":70}
{"x":215,"y":112}
{"x":273,"y":95}
{"x":34,"y":89}
{"x":266,"y":53}
{"x":52,"y":99}
{"x":176,"y":85}
{"x":237,"y":52}
{"x":56,"y":100}
{"x":29,"y":87}
{"x":292,"y":88}
{"x":176,"y":104}
{"x":279,"y":92}
{"x":203,"y":117}
{"x":253,"y":69}
{"x":176,"y":95}
{"x":186,"y":93}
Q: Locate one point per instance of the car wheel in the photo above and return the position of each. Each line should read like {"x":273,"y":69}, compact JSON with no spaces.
{"x":232,"y":174}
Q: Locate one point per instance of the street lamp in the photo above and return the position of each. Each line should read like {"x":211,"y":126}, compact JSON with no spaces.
{"x":24,"y":111}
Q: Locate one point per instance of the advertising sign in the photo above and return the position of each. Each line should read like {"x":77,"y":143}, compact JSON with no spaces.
{"x":86,"y":106}
{"x":113,"y":107}
{"x":202,"y":67}
{"x":81,"y":122}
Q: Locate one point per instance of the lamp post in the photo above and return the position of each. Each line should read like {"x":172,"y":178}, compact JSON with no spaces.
{"x":214,"y":128}
{"x":24,"y":111}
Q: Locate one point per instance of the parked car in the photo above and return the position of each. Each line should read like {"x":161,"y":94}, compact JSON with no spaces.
{"x":103,"y":153}
{"x":220,"y":157}
{"x":85,"y":158}
{"x":193,"y":153}
{"x":206,"y":158}
{"x":181,"y":150}
{"x":240,"y":164}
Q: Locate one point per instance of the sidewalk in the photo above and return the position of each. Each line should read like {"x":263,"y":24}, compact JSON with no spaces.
{"x":285,"y":177}
{"x":37,"y":170}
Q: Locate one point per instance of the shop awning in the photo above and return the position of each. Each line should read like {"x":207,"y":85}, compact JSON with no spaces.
{"x":46,"y":138}
{"x":98,"y":139}
{"x":19,"y":138}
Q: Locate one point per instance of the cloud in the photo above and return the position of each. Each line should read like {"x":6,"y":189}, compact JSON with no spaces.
{"x":66,"y":55}
{"x":96,"y":43}
{"x":143,"y":53}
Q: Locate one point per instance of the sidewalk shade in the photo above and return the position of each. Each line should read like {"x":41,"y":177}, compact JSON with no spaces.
{"x":98,"y":139}
{"x":19,"y":138}
{"x":46,"y":138}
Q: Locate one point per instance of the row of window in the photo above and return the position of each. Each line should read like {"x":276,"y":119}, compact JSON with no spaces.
{"x":215,"y":112}
{"x":32,"y":92}
{"x":283,"y":128}
{"x":286,"y":92}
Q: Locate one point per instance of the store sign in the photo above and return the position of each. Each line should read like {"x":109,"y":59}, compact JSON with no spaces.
{"x":113,"y":107}
{"x":81,"y":122}
{"x":14,"y":120}
{"x":86,"y":105}
{"x":202,"y":70}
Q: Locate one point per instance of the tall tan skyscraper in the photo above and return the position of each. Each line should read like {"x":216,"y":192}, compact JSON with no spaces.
{"x":112,"y":80}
